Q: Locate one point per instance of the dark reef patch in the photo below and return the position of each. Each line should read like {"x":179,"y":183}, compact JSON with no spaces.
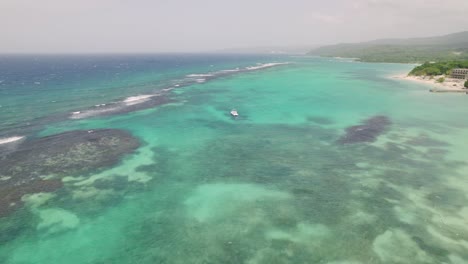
{"x":7,"y":148}
{"x":66,"y":153}
{"x":77,"y":152}
{"x":10,"y":196}
{"x":368,"y":131}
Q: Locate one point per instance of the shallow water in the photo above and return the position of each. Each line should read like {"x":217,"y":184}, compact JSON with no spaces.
{"x":276,"y":185}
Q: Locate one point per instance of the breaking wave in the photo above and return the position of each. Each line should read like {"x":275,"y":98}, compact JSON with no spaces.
{"x":10,"y":139}
{"x":139,"y":102}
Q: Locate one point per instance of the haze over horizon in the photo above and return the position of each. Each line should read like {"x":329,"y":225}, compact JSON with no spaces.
{"x":54,"y":26}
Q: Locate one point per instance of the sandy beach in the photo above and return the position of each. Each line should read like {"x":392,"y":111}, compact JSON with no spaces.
{"x":449,"y":85}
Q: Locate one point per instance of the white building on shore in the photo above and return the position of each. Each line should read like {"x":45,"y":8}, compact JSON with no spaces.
{"x":460,"y":74}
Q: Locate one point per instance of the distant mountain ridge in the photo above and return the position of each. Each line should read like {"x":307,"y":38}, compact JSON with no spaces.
{"x":460,"y":37}
{"x":448,"y":47}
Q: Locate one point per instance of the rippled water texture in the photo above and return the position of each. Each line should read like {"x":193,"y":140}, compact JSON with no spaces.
{"x":330,"y":161}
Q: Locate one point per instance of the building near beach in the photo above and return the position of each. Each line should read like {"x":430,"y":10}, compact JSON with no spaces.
{"x":460,"y":74}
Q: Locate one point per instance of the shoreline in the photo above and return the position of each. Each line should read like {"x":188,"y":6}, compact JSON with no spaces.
{"x":449,"y":85}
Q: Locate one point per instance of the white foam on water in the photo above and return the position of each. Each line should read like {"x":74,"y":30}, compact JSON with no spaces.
{"x":200,"y":75}
{"x":10,"y":139}
{"x":100,"y":109}
{"x":233,"y":70}
{"x":91,"y":113}
{"x":265,"y":65}
{"x":138,"y":99}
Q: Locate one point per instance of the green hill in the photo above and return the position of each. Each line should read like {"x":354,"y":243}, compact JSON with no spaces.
{"x":414,"y":50}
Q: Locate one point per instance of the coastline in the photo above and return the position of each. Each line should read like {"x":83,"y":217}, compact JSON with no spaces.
{"x":449,"y":85}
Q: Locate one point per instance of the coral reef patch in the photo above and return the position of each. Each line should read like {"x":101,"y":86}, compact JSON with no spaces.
{"x":368,"y":131}
{"x":38,"y":165}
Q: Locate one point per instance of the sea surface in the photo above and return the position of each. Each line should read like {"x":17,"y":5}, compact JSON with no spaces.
{"x":330,"y":161}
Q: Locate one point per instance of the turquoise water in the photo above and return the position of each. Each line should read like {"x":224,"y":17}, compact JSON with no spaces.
{"x":273,"y":186}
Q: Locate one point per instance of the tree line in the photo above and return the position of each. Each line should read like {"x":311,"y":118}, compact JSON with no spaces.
{"x":438,"y":68}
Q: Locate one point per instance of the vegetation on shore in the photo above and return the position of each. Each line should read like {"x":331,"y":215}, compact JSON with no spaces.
{"x":466,"y":84}
{"x":438,"y":68}
{"x":416,"y":50}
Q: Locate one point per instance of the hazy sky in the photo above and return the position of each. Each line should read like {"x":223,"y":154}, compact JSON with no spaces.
{"x":204,"y":25}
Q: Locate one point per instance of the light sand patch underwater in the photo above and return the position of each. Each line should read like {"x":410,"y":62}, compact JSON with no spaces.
{"x":55,"y":220}
{"x":127,"y":169}
{"x":395,"y":246}
{"x":212,"y":201}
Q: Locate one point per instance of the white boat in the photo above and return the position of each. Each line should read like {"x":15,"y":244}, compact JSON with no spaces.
{"x":234,"y":113}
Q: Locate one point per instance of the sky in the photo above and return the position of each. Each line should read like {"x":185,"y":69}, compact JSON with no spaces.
{"x":90,"y":26}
